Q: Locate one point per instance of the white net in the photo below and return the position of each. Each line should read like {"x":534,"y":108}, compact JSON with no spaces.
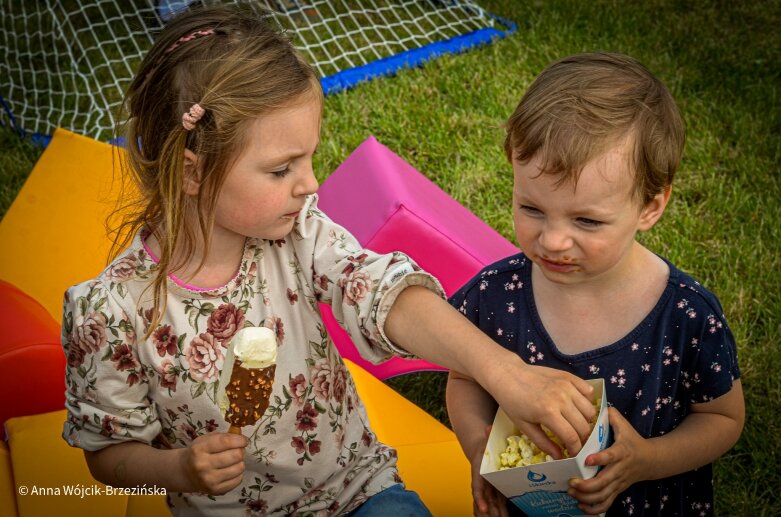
{"x":68,"y":62}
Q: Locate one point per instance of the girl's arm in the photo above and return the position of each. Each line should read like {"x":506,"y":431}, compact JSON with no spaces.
{"x":424,"y":324}
{"x":709,"y":431}
{"x":371,"y":294}
{"x":213,"y":463}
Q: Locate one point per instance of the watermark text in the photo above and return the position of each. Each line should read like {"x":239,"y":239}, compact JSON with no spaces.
{"x":82,"y":491}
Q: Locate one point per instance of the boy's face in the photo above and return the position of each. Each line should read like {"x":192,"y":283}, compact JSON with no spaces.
{"x":583,"y":233}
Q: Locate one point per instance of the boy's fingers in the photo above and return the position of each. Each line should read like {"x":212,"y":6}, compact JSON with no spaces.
{"x":499,"y":503}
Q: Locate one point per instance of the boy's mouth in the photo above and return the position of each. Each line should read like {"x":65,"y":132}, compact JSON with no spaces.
{"x":558,"y":266}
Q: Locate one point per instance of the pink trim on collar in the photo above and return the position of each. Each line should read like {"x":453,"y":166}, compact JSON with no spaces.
{"x":174,"y":278}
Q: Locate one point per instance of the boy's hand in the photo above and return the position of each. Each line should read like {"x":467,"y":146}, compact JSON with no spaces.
{"x":488,"y":501}
{"x":624,"y":464}
{"x":214,"y":462}
{"x":556,"y":399}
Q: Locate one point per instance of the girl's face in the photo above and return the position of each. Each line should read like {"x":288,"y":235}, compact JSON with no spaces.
{"x":265,"y":189}
{"x":583,"y":233}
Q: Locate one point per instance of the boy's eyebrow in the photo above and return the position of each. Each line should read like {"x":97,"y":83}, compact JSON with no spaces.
{"x":589,"y":211}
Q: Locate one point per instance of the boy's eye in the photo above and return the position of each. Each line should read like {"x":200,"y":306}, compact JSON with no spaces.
{"x":589,"y":223}
{"x":529,"y":210}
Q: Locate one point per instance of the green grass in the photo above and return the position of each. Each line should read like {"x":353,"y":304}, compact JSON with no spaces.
{"x":720,"y":59}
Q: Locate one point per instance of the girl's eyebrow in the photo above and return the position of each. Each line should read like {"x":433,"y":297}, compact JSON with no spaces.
{"x":290,"y":155}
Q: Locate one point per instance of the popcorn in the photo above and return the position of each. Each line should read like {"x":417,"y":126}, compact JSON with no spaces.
{"x":522,"y":452}
{"x":528,"y":478}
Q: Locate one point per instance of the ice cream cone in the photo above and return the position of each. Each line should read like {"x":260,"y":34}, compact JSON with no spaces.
{"x":247,"y":377}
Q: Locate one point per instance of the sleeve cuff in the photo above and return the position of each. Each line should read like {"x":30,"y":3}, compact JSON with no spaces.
{"x":419,"y":278}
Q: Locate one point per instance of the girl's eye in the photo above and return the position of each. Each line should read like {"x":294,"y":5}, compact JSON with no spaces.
{"x":282,"y":172}
{"x":530,"y":210}
{"x":589,"y":223}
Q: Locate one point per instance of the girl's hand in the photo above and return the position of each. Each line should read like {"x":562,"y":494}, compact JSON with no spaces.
{"x":554,"y":398}
{"x":488,"y":501}
{"x":214,"y":462}
{"x":624,"y":464}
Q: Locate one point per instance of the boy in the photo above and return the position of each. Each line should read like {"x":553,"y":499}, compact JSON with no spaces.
{"x":594,"y":145}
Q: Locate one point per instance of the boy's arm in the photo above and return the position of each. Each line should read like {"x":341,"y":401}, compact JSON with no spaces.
{"x":471,"y":410}
{"x":709,"y":431}
{"x":424,"y":324}
{"x":212,"y":463}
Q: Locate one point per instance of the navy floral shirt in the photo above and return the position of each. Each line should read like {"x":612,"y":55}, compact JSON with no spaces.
{"x":682,"y":353}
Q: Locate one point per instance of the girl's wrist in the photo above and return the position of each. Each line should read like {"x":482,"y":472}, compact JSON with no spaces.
{"x":182,"y":475}
{"x":497,"y":367}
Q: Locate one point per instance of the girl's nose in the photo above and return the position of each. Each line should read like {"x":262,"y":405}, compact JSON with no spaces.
{"x":307,"y":184}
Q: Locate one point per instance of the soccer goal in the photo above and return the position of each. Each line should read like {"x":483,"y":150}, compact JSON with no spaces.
{"x":68,"y":62}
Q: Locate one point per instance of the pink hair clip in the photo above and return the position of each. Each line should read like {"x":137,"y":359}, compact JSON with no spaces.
{"x":192,"y":117}
{"x":188,"y":37}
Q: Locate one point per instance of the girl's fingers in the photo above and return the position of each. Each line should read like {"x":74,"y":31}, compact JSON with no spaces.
{"x":225,"y":479}
{"x":538,"y":436}
{"x":579,"y":420}
{"x":230,"y":483}
{"x":227,"y":458}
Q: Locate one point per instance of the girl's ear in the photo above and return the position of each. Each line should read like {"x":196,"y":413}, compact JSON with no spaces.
{"x":191,"y":176}
{"x":653,"y":211}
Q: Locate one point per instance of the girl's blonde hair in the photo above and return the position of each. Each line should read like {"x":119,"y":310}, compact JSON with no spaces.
{"x":237,"y":67}
{"x":581,"y":106}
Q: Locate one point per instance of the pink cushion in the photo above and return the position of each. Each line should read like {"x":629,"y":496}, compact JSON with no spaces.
{"x":390,"y":206}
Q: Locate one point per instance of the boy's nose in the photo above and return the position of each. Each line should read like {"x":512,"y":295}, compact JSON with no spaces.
{"x":554,"y":239}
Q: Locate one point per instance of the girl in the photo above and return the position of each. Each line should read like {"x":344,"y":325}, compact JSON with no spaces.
{"x":223,"y":121}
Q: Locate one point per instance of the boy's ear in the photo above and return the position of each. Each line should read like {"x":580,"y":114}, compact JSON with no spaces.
{"x":653,"y":211}
{"x":191,"y":176}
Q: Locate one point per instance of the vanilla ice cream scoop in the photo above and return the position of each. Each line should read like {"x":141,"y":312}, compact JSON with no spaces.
{"x":255,"y":347}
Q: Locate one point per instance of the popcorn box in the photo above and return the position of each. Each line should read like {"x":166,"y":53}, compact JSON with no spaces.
{"x":540,"y":490}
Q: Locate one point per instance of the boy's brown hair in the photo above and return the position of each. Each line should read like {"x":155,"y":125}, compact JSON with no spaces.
{"x":581,"y":106}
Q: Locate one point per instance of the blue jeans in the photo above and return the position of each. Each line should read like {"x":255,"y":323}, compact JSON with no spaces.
{"x":392,"y":502}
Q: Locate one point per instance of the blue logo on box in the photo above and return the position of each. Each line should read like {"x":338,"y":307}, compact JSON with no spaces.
{"x":535,"y":477}
{"x":601,"y":433}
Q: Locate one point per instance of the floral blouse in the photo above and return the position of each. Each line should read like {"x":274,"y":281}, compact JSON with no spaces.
{"x":312,"y":452}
